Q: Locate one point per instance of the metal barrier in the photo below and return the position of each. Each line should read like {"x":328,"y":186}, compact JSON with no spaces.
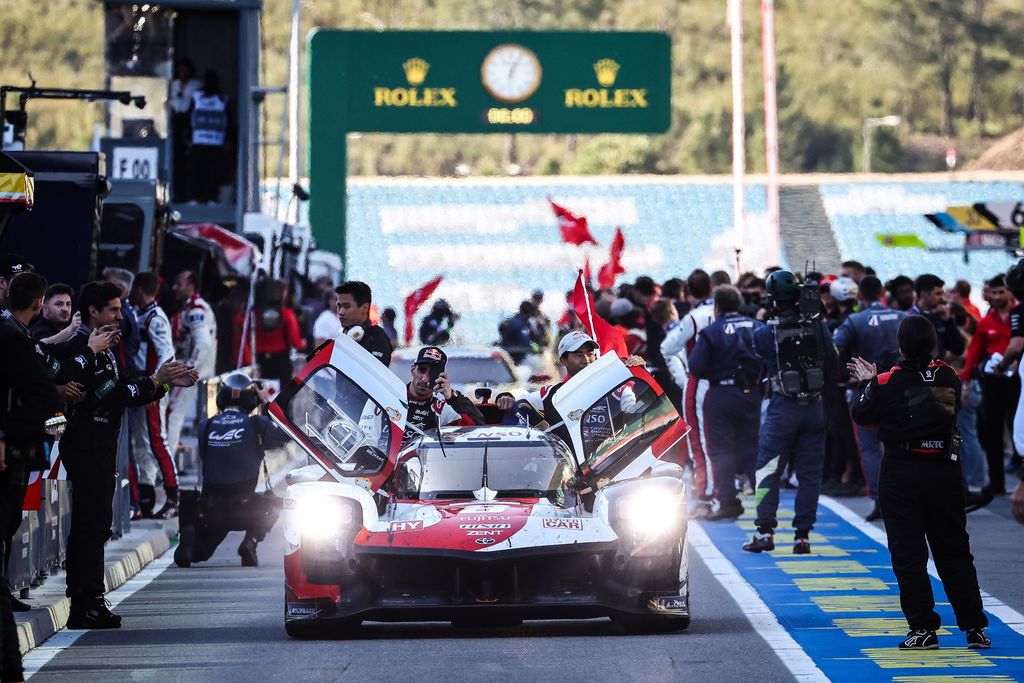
{"x":39,"y":547}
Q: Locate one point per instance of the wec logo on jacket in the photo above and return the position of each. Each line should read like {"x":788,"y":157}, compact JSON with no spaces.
{"x":232,"y":435}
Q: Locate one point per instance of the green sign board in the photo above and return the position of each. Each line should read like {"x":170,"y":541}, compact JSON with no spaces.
{"x":473,"y":82}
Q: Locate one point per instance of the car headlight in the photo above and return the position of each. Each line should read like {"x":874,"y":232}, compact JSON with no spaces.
{"x":650,"y":513}
{"x":323,"y":516}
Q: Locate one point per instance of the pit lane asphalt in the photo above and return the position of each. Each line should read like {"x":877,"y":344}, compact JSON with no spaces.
{"x":220,"y":622}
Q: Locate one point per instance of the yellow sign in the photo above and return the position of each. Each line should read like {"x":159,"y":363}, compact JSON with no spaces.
{"x":415,"y":70}
{"x":606,"y":97}
{"x":17,"y":188}
{"x":909,"y":240}
{"x":970,"y":218}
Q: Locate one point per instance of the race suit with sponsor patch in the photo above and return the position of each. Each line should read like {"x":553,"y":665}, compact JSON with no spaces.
{"x":149,"y":423}
{"x":434,"y":412}
{"x":195,"y":343}
{"x":676,"y":348}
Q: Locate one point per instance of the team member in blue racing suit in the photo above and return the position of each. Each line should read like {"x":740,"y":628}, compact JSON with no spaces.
{"x":232,"y":446}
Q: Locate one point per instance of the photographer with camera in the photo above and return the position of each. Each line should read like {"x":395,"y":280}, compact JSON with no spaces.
{"x":797,"y":349}
{"x":354,"y":299}
{"x":920,"y":486}
{"x":232,"y":446}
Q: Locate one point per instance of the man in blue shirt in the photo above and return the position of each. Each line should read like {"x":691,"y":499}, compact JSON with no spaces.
{"x":871,"y":335}
{"x":724,"y":355}
{"x":798,"y":353}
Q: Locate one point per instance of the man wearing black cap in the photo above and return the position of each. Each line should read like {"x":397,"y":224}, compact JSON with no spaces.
{"x":354,"y":299}
{"x":432,"y":403}
{"x":10,"y":266}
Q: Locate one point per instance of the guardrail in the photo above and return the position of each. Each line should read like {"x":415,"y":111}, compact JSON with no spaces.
{"x":40,"y":544}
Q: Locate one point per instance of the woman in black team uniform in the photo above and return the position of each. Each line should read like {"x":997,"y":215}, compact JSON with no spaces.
{"x":920,"y":486}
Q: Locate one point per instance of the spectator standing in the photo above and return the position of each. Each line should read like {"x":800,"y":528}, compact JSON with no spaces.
{"x":183,"y":89}
{"x":972,"y":458}
{"x":724,"y":356}
{"x":678,"y":344}
{"x":871,"y":335}
{"x":961,"y":294}
{"x":195,"y":343}
{"x":11,"y":265}
{"x":28,"y":398}
{"x":56,"y":313}
{"x":921,"y":490}
{"x":89,"y":452}
{"x":1000,"y":385}
{"x":277,"y":333}
{"x":901,"y":292}
{"x":208,"y":154}
{"x":517,"y":334}
{"x":128,"y":348}
{"x":436,"y":326}
{"x":387,"y":323}
{"x":148,"y":423}
{"x":354,"y":301}
{"x":327,"y":326}
{"x":931,"y":303}
{"x":854,"y":270}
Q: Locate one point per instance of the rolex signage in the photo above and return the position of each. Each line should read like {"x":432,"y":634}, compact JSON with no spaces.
{"x":473,"y":82}
{"x":479,"y":82}
{"x":415,"y":73}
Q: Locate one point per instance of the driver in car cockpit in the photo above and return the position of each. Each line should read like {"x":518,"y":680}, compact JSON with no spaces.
{"x":432,"y":402}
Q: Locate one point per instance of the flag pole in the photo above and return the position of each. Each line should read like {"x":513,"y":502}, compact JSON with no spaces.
{"x":739,"y":156}
{"x":771,"y":127}
{"x":586,"y":295}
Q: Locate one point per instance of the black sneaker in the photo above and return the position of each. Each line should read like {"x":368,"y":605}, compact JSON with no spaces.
{"x":801,"y":546}
{"x":94,"y":614}
{"x":183,"y":553}
{"x":728,"y":511}
{"x":19,"y":606}
{"x":874,"y":515}
{"x":247,"y":551}
{"x":920,"y":639}
{"x":760,"y":543}
{"x":977,"y":640}
{"x":168,"y":511}
{"x":976,"y":501}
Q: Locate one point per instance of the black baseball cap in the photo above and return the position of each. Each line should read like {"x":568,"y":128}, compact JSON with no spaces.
{"x":13,"y":264}
{"x":431,"y":355}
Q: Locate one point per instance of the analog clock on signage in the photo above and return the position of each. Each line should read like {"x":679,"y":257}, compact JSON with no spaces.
{"x":511,"y":73}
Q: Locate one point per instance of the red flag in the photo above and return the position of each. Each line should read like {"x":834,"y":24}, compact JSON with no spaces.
{"x":609,"y":271}
{"x":606,"y":336}
{"x":587,"y":275}
{"x":574,"y":228}
{"x":414,"y":301}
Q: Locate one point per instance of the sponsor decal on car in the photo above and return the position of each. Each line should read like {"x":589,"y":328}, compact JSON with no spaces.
{"x":484,"y":532}
{"x":485,"y":518}
{"x":289,"y":503}
{"x":301,"y":610}
{"x":406,"y":525}
{"x":485,"y":526}
{"x":485,"y":541}
{"x":567,"y":524}
{"x":669,"y":603}
{"x":478,"y":509}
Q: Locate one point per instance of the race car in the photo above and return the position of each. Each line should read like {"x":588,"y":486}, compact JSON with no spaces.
{"x":482,"y":525}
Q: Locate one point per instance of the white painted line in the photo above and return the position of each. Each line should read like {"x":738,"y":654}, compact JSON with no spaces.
{"x":754,"y":608}
{"x":993,"y":605}
{"x":39,"y":657}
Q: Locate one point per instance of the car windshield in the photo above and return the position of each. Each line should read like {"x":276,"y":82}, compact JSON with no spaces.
{"x":536,"y":468}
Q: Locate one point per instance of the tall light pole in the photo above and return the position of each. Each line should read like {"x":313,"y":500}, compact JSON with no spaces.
{"x":739,"y":156}
{"x":294,"y":128}
{"x":771,"y":126}
{"x":870,"y":124}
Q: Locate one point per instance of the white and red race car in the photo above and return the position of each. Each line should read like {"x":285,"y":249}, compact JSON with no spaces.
{"x":487,"y":524}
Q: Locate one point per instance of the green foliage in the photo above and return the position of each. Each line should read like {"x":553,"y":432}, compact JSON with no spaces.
{"x":944,"y":66}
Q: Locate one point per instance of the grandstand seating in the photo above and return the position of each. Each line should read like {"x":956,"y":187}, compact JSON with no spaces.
{"x":860,"y":211}
{"x":495,"y":241}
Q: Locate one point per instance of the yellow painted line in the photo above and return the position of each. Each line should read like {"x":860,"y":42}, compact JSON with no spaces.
{"x":858,"y":603}
{"x":831,"y":583}
{"x":820,"y":550}
{"x":892,"y":658}
{"x":823,"y":567}
{"x":867,"y":627}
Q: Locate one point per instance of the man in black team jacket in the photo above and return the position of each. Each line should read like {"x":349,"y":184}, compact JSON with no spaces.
{"x":89,"y":451}
{"x":354,"y":299}
{"x":920,"y":486}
